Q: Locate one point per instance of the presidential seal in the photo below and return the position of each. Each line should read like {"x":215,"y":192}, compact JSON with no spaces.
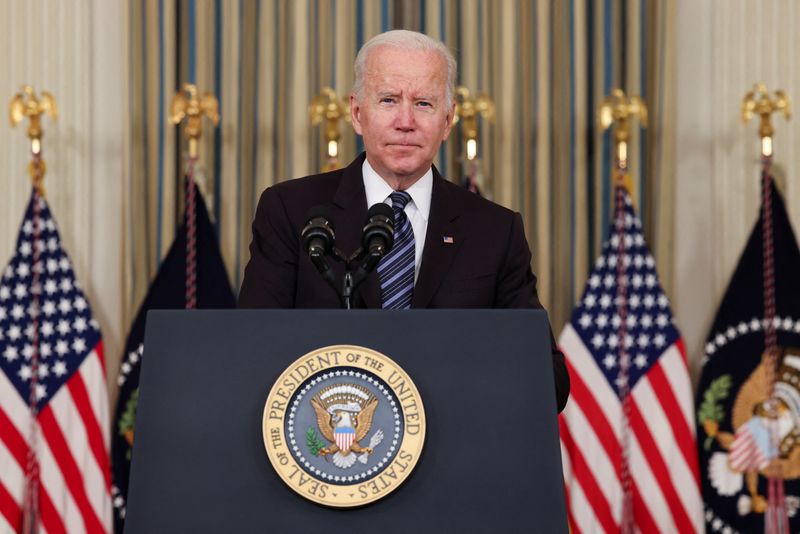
{"x":343,"y":426}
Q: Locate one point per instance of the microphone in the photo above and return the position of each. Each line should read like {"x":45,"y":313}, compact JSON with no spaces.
{"x":376,"y":241}
{"x":378,"y":237}
{"x":318,"y":237}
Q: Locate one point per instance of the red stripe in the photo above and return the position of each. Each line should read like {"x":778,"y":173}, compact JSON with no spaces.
{"x":659,"y":469}
{"x":15,"y":443}
{"x":101,"y":356}
{"x":51,"y":519}
{"x":573,"y":526}
{"x":10,"y":509}
{"x":94,"y":434}
{"x":641,"y":512}
{"x":681,"y":430}
{"x":582,"y":396}
{"x":582,"y":473}
{"x":69,"y":469}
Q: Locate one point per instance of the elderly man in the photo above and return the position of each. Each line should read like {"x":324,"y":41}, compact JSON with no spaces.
{"x":452,"y":248}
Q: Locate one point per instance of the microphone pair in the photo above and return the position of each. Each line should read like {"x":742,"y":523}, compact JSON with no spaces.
{"x":377,"y":239}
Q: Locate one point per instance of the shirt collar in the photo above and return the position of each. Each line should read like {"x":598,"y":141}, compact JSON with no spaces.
{"x":377,"y":190}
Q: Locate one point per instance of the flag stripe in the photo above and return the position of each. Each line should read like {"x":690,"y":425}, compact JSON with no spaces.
{"x":51,"y":521}
{"x":681,"y":473}
{"x":67,"y":465}
{"x":10,"y":509}
{"x":52,"y":483}
{"x":678,"y":373}
{"x":641,"y":512}
{"x":93,"y":372}
{"x":664,"y":399}
{"x":652,"y":497}
{"x":13,"y":440}
{"x":659,"y":469}
{"x":604,"y":467}
{"x":94,"y":434}
{"x":585,"y":479}
{"x":582,"y":398}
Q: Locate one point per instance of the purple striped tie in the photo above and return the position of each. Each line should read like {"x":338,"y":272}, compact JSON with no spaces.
{"x":396,"y":269}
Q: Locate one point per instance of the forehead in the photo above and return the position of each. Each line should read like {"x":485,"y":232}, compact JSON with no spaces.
{"x":394,"y":69}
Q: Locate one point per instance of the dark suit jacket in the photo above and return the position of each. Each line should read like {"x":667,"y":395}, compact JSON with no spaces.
{"x":486,"y":266}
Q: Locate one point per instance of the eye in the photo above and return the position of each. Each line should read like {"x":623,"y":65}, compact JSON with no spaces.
{"x":387,"y":100}
{"x":424,"y":104}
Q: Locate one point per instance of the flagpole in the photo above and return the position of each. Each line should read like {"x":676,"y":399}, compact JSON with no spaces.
{"x":617,"y":110}
{"x":27,"y":104}
{"x":189,"y":108}
{"x":758,"y":101}
{"x":468,"y":109}
{"x":327,"y":107}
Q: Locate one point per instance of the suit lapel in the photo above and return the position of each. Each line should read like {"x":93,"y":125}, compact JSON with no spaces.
{"x":351,"y":200}
{"x":437,"y":256}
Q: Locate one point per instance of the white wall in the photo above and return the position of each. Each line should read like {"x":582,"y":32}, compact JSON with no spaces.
{"x":724,"y":47}
{"x":79,"y":58}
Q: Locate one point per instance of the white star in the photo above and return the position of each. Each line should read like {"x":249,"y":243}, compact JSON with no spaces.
{"x":41,"y":391}
{"x":79,"y":303}
{"x":63,"y":264}
{"x":52,"y":266}
{"x":628,"y":341}
{"x":720,"y":339}
{"x":730,"y":332}
{"x":788,"y":323}
{"x":608,"y":281}
{"x":45,"y":350}
{"x":59,"y":368}
{"x":27,"y":351}
{"x":50,"y":224}
{"x":638,"y":261}
{"x":52,"y":244}
{"x":650,"y":280}
{"x":601,"y":321}
{"x":79,"y":324}
{"x":662,"y":301}
{"x":43,"y":370}
{"x":609,"y":361}
{"x":662,"y":320}
{"x":49,"y":307}
{"x":594,"y":281}
{"x":61,"y":347}
{"x":643,"y":340}
{"x":126,"y":368}
{"x":66,"y":285}
{"x":17,"y":312}
{"x":716,"y":524}
{"x":631,"y":321}
{"x":597,"y":341}
{"x":755,"y":325}
{"x":5,"y":293}
{"x":659,"y":340}
{"x":63,"y":327}
{"x":639,"y":239}
{"x":589,"y":300}
{"x":637,"y":281}
{"x":601,"y":261}
{"x":605,"y":300}
{"x":742,"y":328}
{"x":20,"y":291}
{"x":25,"y":372}
{"x":47,"y":329}
{"x":650,"y":262}
{"x":10,"y":354}
{"x":634,"y":302}
{"x":612,"y":341}
{"x":50,"y":286}
{"x":23,"y":270}
{"x":79,"y":345}
{"x":585,"y":321}
{"x":646,"y":321}
{"x":25,"y":248}
{"x":616,"y":321}
{"x":14,"y":333}
{"x":614,"y":240}
{"x":27,"y":227}
{"x":640,"y":361}
{"x":65,"y":306}
{"x":612,"y":260}
{"x":711,"y":348}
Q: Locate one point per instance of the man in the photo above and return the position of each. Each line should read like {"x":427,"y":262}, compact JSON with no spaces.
{"x":453,"y":249}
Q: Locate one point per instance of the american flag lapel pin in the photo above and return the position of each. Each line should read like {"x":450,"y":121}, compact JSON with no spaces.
{"x":448,"y":239}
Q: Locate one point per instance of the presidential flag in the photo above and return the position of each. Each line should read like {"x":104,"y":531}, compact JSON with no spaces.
{"x":748,"y":399}
{"x":54,"y":464}
{"x":168,"y":291}
{"x":627,"y":432}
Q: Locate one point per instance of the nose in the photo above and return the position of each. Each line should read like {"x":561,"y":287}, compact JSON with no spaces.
{"x":404,"y":120}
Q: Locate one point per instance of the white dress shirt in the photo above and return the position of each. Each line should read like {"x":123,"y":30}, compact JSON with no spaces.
{"x":417,"y":210}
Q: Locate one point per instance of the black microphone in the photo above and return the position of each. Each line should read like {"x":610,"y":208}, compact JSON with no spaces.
{"x":376,"y":241}
{"x":318,"y":238}
{"x":378,"y":237}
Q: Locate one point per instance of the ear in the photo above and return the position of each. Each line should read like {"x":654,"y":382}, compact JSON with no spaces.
{"x":448,"y":121}
{"x":355,"y":113}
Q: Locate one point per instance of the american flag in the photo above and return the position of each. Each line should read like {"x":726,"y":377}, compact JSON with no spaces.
{"x":42,"y":304}
{"x":648,"y":446}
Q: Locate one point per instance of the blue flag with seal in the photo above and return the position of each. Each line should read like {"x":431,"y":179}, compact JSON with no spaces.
{"x":748,"y":397}
{"x":168,"y":291}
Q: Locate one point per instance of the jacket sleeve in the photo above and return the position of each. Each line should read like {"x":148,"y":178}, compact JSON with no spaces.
{"x":270,"y":277}
{"x":517,"y":289}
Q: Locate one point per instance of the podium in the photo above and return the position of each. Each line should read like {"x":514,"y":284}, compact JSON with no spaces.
{"x":491,"y":458}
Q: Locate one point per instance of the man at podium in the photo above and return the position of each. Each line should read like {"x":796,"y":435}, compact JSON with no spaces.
{"x":452,"y":248}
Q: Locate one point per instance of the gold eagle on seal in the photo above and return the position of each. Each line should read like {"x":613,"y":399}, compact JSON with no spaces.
{"x":344,"y":417}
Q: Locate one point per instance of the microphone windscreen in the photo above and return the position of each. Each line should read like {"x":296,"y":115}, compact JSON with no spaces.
{"x":381,"y":208}
{"x":320,"y":212}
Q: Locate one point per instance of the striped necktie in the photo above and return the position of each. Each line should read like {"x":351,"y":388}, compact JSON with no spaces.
{"x":396,"y":269}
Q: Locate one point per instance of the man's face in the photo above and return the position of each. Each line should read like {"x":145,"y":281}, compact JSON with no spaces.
{"x":402,"y":114}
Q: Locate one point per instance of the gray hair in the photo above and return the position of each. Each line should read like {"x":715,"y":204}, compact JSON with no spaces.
{"x":405,"y":40}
